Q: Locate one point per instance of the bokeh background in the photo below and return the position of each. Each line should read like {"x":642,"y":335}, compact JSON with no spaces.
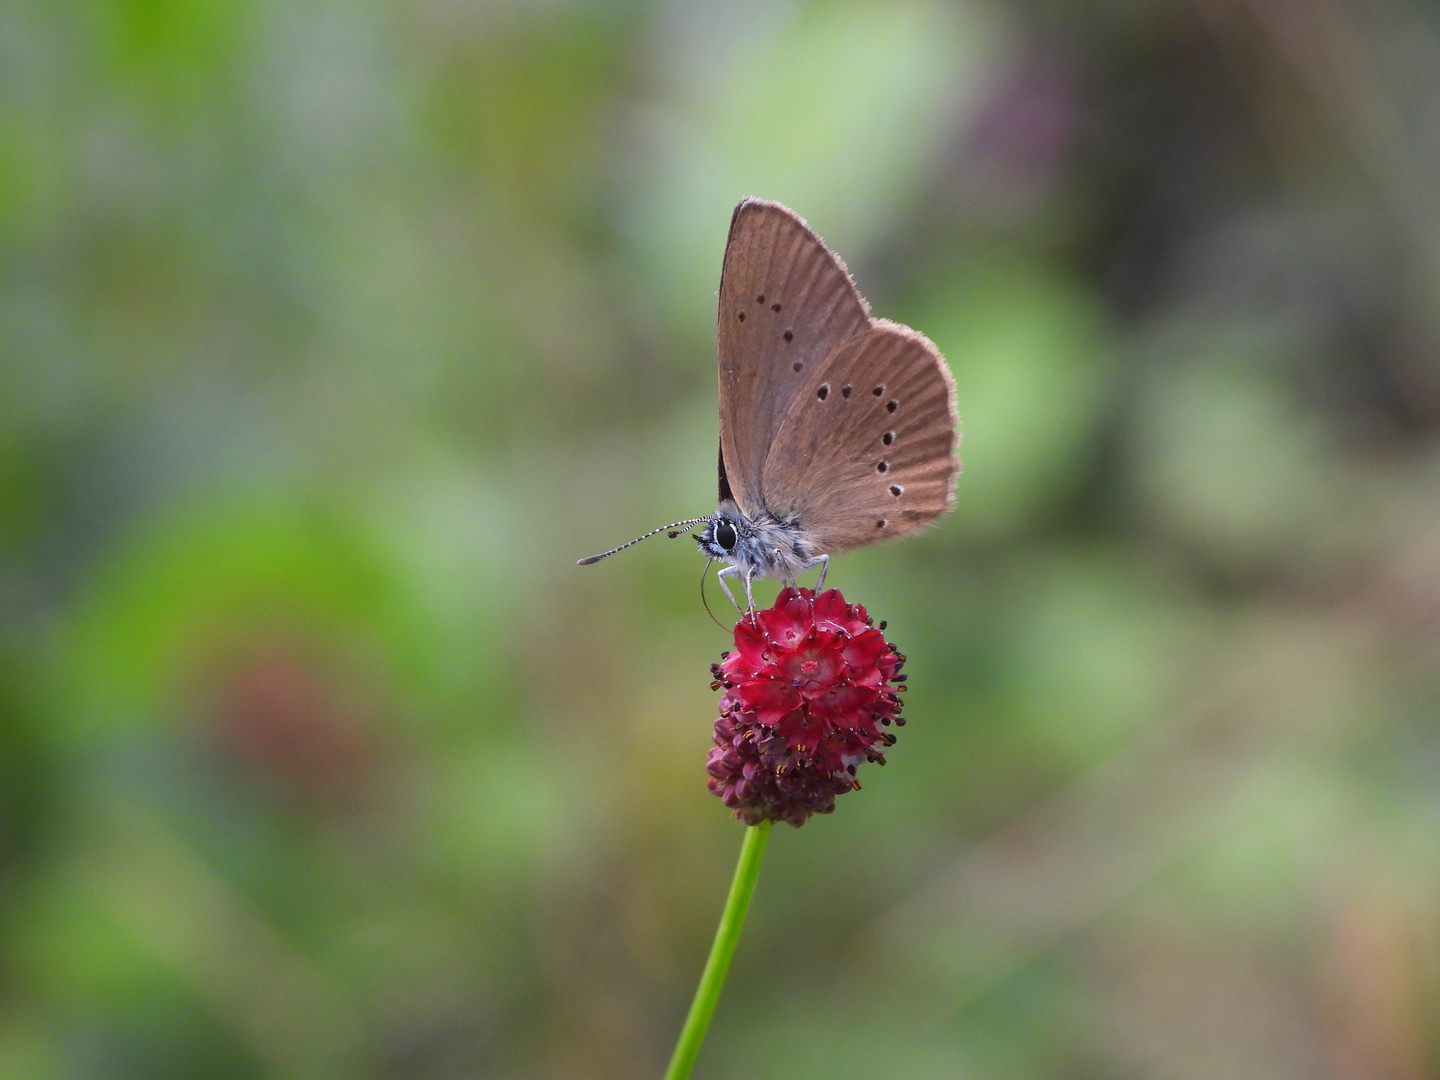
{"x":332,"y":333}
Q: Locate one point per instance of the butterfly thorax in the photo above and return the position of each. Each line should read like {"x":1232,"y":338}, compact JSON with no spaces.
{"x":763,"y":547}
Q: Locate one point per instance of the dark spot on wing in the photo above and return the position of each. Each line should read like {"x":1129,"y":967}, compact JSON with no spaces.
{"x":845,"y":390}
{"x":888,"y":438}
{"x":789,"y":335}
{"x":760,"y":299}
{"x":774,"y":307}
{"x":740,"y":315}
{"x":798,"y":365}
{"x":882,"y":466}
{"x":881,"y":523}
{"x":896,"y":490}
{"x":891,"y":405}
{"x":823,"y":392}
{"x":877,"y":391}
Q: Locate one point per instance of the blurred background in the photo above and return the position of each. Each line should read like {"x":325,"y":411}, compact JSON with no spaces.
{"x":332,"y":333}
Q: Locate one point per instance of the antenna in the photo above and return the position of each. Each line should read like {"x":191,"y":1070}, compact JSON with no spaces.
{"x":674,"y":525}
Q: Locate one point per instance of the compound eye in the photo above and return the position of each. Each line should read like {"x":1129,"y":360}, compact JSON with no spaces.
{"x":725,"y":536}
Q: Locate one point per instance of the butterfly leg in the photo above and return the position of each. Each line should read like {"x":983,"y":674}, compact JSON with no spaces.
{"x":732,"y":571}
{"x":822,"y":561}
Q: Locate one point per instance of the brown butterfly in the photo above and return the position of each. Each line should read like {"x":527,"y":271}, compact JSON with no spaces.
{"x":836,"y":430}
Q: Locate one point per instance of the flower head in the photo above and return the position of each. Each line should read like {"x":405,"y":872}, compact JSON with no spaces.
{"x":808,"y":692}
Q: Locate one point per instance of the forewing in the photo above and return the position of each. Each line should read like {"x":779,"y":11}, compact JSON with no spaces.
{"x":868,"y":449}
{"x":786,"y":302}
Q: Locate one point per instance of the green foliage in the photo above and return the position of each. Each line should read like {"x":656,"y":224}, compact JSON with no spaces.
{"x":333,"y":334}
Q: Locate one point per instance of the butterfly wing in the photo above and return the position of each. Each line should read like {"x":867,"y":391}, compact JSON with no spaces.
{"x":868,"y":448}
{"x":786,"y":302}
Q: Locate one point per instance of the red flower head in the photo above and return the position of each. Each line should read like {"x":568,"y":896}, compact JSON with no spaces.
{"x":807,"y":695}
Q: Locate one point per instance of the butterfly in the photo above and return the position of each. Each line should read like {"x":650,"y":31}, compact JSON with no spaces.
{"x":837,"y":430}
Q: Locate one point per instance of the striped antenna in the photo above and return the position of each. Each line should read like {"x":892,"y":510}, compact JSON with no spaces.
{"x":652,"y":532}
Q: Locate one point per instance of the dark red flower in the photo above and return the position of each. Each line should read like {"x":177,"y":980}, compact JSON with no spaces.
{"x":809,"y":690}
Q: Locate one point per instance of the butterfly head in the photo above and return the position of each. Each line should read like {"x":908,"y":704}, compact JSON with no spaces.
{"x":762,"y":548}
{"x":723,"y":530}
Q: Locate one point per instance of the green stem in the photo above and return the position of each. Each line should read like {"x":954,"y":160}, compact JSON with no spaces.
{"x":707,"y":994}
